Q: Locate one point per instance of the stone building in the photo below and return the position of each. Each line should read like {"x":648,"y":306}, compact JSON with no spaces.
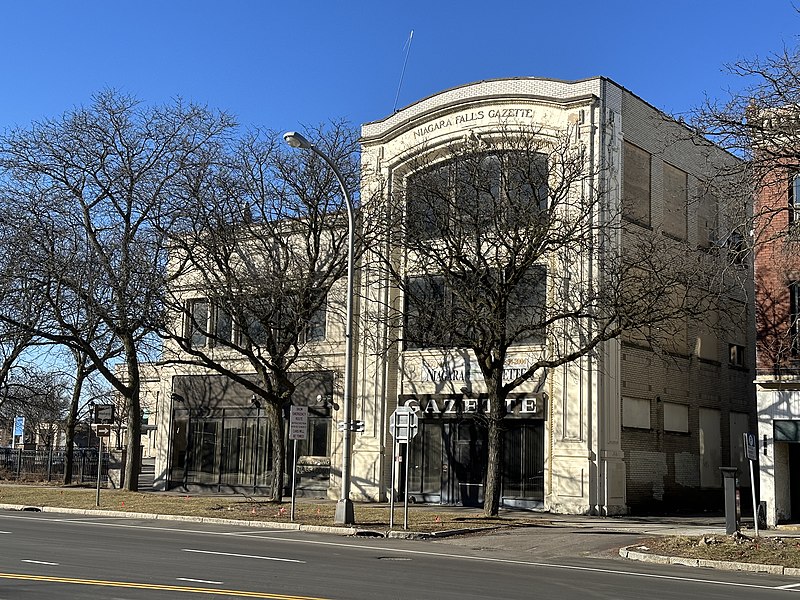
{"x":627,"y":426}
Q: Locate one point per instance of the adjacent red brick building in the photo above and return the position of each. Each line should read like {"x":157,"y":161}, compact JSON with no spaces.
{"x":777,"y":289}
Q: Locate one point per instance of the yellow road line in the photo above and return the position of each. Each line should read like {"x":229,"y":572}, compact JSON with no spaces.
{"x":153,"y":586}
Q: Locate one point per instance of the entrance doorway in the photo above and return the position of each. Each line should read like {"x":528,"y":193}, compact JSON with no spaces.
{"x":448,"y":462}
{"x":794,"y":481}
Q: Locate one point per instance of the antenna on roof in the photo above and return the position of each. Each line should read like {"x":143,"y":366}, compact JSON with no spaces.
{"x":403,"y":72}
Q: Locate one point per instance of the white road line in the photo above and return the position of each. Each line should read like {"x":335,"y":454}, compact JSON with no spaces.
{"x":417,"y":552}
{"x":787,"y":586}
{"x":198,"y":580}
{"x":291,"y":560}
{"x":5,"y":532}
{"x":40,"y":562}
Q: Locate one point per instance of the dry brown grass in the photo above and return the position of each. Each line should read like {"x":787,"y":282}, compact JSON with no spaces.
{"x":767,"y":550}
{"x":308,"y":512}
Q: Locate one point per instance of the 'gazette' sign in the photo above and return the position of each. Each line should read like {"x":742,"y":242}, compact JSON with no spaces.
{"x":473,"y":117}
{"x":531,"y":406}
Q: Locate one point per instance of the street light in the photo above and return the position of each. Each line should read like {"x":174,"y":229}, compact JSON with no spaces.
{"x":344,"y":507}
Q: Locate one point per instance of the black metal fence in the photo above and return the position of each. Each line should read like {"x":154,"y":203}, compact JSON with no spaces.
{"x":49,"y":465}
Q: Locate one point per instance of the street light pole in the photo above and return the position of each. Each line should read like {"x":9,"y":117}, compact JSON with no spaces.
{"x":344,"y":507}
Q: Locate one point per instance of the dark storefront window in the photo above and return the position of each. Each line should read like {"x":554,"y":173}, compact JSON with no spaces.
{"x":230,"y":449}
{"x":448,"y":461}
{"x":203,"y":454}
{"x":221,"y":437}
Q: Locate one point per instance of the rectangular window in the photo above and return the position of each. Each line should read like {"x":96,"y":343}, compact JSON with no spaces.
{"x":428,"y":200}
{"x":636,"y":413}
{"x":476,"y":192}
{"x":794,"y":197}
{"x":526,"y":308}
{"x":636,"y":184}
{"x":223,"y":324}
{"x":315,"y":330}
{"x":675,"y":201}
{"x":794,"y":317}
{"x":439,"y":316}
{"x":737,"y":248}
{"x":736,"y":355}
{"x":707,"y":222}
{"x":279,"y":322}
{"x":676,"y":417}
{"x":197,"y":322}
{"x":428,"y":313}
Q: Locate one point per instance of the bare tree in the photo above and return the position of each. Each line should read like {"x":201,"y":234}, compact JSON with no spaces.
{"x":40,"y":397}
{"x":20,"y":299}
{"x":256,"y":261}
{"x":760,"y":121}
{"x":510,"y":244}
{"x":95,"y":185}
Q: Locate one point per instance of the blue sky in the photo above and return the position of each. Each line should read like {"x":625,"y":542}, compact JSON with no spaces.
{"x":284,"y":64}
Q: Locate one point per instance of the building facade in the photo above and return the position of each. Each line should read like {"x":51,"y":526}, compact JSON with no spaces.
{"x":777,"y":272}
{"x":627,"y":426}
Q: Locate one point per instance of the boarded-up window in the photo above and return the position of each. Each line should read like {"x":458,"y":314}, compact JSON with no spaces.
{"x":707,"y":221}
{"x":676,"y":417}
{"x":636,"y":184}
{"x":675,"y":201}
{"x":710,"y":447}
{"x":636,"y":413}
{"x":707,"y":341}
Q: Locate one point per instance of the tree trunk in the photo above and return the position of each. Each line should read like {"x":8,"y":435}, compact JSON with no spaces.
{"x":72,"y":419}
{"x":134,"y":414}
{"x":491,"y":496}
{"x":274,"y":414}
{"x":494,"y":443}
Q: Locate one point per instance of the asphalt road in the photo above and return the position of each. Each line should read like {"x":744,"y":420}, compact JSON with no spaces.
{"x":47,"y":555}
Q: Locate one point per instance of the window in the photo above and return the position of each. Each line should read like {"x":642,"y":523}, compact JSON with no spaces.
{"x":676,"y":417}
{"x":794,"y":317}
{"x":438,"y":316}
{"x":636,"y":413}
{"x":197,"y":322}
{"x":737,"y":248}
{"x":636,"y":184}
{"x":315,"y":330}
{"x":223,"y":324}
{"x":428,"y":313}
{"x":736,"y":355}
{"x":675,"y":201}
{"x":794,"y":197}
{"x":476,"y":192}
{"x":280,"y":322}
{"x":208,"y":323}
{"x":707,"y":222}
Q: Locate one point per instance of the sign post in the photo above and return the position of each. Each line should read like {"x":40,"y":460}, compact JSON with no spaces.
{"x":19,"y":431}
{"x":298,"y":430}
{"x":403,"y":425}
{"x":101,"y":430}
{"x":751,"y":451}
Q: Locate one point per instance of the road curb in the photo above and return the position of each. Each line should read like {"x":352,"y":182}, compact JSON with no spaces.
{"x":88,"y":512}
{"x":626,"y":552}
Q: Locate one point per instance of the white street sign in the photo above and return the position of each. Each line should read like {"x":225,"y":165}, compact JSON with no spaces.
{"x":298,"y":423}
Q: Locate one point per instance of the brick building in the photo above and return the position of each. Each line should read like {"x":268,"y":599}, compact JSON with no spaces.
{"x":777,"y":281}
